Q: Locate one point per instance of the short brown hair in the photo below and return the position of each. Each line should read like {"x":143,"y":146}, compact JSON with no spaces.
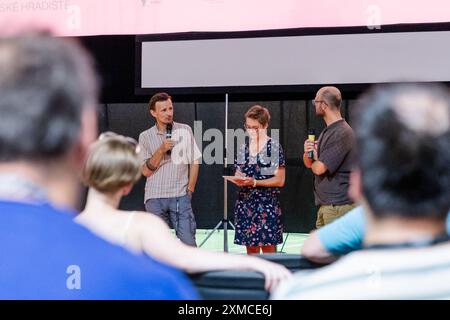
{"x":157,"y":97}
{"x":259,"y":113}
{"x":112,"y":164}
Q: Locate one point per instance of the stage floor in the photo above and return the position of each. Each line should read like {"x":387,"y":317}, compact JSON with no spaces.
{"x":292,"y":241}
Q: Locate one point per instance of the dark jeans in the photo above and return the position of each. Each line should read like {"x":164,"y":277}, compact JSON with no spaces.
{"x":176,"y":212}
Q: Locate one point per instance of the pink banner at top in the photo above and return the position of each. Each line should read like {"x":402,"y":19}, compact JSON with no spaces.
{"x":105,"y":17}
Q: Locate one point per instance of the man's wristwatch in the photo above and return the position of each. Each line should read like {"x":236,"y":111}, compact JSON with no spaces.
{"x":150,"y":166}
{"x":254,"y":183}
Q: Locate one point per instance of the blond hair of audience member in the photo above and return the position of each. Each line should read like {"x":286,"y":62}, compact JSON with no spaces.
{"x":112,"y":168}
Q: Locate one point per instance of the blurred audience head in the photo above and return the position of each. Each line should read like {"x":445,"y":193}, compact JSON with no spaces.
{"x":48,"y":94}
{"x":113,"y":163}
{"x":403,"y":137}
{"x":45,"y":83}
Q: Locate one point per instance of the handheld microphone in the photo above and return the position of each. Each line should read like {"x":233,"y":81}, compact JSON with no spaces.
{"x":311,"y":137}
{"x":169,"y":135}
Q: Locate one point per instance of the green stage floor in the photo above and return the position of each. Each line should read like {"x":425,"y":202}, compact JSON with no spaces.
{"x":292,"y":241}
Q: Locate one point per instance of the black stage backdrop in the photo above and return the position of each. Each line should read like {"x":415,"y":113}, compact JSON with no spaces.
{"x":121,"y":111}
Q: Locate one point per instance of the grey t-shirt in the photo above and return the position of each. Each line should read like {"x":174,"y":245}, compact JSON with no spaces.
{"x":336,"y":149}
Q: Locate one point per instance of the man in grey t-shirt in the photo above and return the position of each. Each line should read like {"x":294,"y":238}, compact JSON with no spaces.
{"x":333,"y":156}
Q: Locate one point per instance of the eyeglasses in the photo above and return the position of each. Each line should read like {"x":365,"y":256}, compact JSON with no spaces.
{"x":251,"y":128}
{"x":110,"y":134}
{"x":315,"y":102}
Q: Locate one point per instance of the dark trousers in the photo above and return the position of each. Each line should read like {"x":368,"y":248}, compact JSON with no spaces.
{"x":177,"y":213}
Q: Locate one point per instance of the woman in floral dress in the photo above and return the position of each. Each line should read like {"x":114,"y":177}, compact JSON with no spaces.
{"x":261,"y":165}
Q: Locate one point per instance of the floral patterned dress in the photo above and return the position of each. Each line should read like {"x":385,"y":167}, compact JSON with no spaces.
{"x":257,"y":213}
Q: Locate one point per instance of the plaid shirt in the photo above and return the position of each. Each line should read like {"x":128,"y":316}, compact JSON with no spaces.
{"x":171,"y":178}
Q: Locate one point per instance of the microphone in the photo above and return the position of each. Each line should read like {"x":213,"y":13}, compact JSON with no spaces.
{"x":169,"y":135}
{"x":311,"y":137}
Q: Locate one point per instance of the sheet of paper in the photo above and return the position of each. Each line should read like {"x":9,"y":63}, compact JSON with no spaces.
{"x":234,"y":179}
